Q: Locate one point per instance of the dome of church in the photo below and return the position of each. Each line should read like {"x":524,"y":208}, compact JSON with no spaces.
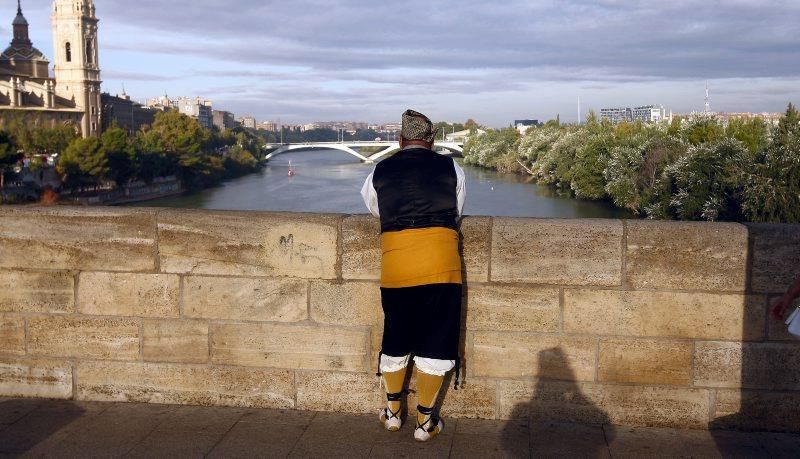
{"x":27,"y":53}
{"x":20,"y":20}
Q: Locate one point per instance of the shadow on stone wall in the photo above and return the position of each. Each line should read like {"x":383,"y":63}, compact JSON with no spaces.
{"x":769,"y":356}
{"x":553,"y":406}
{"x":461,"y":368}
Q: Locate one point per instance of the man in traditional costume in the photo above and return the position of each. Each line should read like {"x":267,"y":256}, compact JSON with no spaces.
{"x":419,"y":197}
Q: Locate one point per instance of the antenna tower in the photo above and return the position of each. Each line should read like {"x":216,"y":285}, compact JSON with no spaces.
{"x":708,"y":101}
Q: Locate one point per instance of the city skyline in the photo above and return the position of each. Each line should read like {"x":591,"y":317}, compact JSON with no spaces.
{"x":466,"y":59}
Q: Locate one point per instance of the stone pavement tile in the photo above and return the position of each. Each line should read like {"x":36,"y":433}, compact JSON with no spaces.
{"x":200,"y":419}
{"x":176,"y":444}
{"x":402,"y":443}
{"x":40,"y":424}
{"x":779,"y":445}
{"x":11,"y":410}
{"x":649,"y":442}
{"x":491,"y":439}
{"x":112,"y":432}
{"x":259,"y":439}
{"x":271,"y":416}
{"x":752,"y":444}
{"x":339,"y":435}
{"x":549,"y":439}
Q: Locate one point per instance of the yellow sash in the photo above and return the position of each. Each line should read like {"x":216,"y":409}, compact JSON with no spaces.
{"x":420,"y":257}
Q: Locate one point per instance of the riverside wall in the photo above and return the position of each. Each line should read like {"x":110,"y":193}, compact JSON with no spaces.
{"x":626,"y":322}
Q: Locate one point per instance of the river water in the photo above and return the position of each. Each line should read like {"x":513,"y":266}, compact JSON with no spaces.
{"x":330,"y":181}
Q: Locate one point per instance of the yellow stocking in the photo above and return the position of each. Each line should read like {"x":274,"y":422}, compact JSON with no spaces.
{"x":428,"y":387}
{"x":394,"y":384}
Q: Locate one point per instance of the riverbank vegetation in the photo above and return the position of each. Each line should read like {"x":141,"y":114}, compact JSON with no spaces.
{"x":700,"y":169}
{"x":175,"y":145}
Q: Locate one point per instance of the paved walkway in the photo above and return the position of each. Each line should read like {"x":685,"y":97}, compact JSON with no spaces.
{"x":35,"y":428}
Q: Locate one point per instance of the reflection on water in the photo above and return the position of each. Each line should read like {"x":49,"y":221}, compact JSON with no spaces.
{"x":330,"y":181}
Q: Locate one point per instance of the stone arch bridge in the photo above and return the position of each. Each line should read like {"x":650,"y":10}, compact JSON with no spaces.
{"x":387,"y":147}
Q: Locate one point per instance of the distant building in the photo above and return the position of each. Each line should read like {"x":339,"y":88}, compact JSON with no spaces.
{"x":616,"y":115}
{"x":649,"y":114}
{"x":391,"y":127}
{"x":248,"y":122}
{"x":771,"y":118}
{"x":73,"y":97}
{"x":523,"y":125}
{"x":270,"y":126}
{"x":223,"y":120}
{"x":644,"y":114}
{"x":461,"y":136}
{"x":122,"y":112}
{"x":160,"y":103}
{"x":197,"y":108}
{"x":309,"y":127}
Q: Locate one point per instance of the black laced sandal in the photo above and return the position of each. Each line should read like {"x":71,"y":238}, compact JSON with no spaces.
{"x":432,"y":426}
{"x":390,"y":419}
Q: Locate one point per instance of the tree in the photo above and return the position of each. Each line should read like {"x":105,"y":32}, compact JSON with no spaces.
{"x":703,"y":130}
{"x":51,"y":140}
{"x":772,"y":190}
{"x":753,"y":133}
{"x":185,"y":140}
{"x":9,"y":155}
{"x":487,"y":149}
{"x":706,"y":184}
{"x":471,"y":125}
{"x":83,"y":162}
{"x":120,"y":153}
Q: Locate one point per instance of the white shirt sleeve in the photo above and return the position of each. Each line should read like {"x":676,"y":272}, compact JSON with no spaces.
{"x":370,"y":196}
{"x":461,"y":188}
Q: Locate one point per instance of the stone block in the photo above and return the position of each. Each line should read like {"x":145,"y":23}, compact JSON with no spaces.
{"x":290,"y":346}
{"x":138,"y":295}
{"x":560,"y":252}
{"x":664,"y":314}
{"x":184,"y":384}
{"x":476,"y":234}
{"x":227,"y":298}
{"x":51,"y":292}
{"x":12,"y":335}
{"x":339,"y":392}
{"x":116,"y":339}
{"x":596,"y":403}
{"x":686,"y":255}
{"x":475,"y":398}
{"x":248,"y":243}
{"x":21,"y":377}
{"x":90,"y":239}
{"x":181,"y":341}
{"x":775,"y":251}
{"x":640,"y":361}
{"x":756,"y":410}
{"x":513,"y":308}
{"x":361,"y":247}
{"x":514,"y":355}
{"x":773,"y":366}
{"x":350,"y":303}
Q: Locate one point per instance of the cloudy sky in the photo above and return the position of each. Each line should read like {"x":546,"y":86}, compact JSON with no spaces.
{"x":314,"y":60}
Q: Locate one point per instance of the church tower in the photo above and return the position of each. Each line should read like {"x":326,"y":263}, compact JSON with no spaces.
{"x":77,"y":71}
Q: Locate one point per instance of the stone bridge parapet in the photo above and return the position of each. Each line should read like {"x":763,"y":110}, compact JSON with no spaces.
{"x":629,"y":322}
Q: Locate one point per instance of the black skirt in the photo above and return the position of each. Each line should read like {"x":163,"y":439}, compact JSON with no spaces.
{"x":424,"y":321}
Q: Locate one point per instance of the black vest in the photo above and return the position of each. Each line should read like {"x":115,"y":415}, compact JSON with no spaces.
{"x":416,"y":189}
